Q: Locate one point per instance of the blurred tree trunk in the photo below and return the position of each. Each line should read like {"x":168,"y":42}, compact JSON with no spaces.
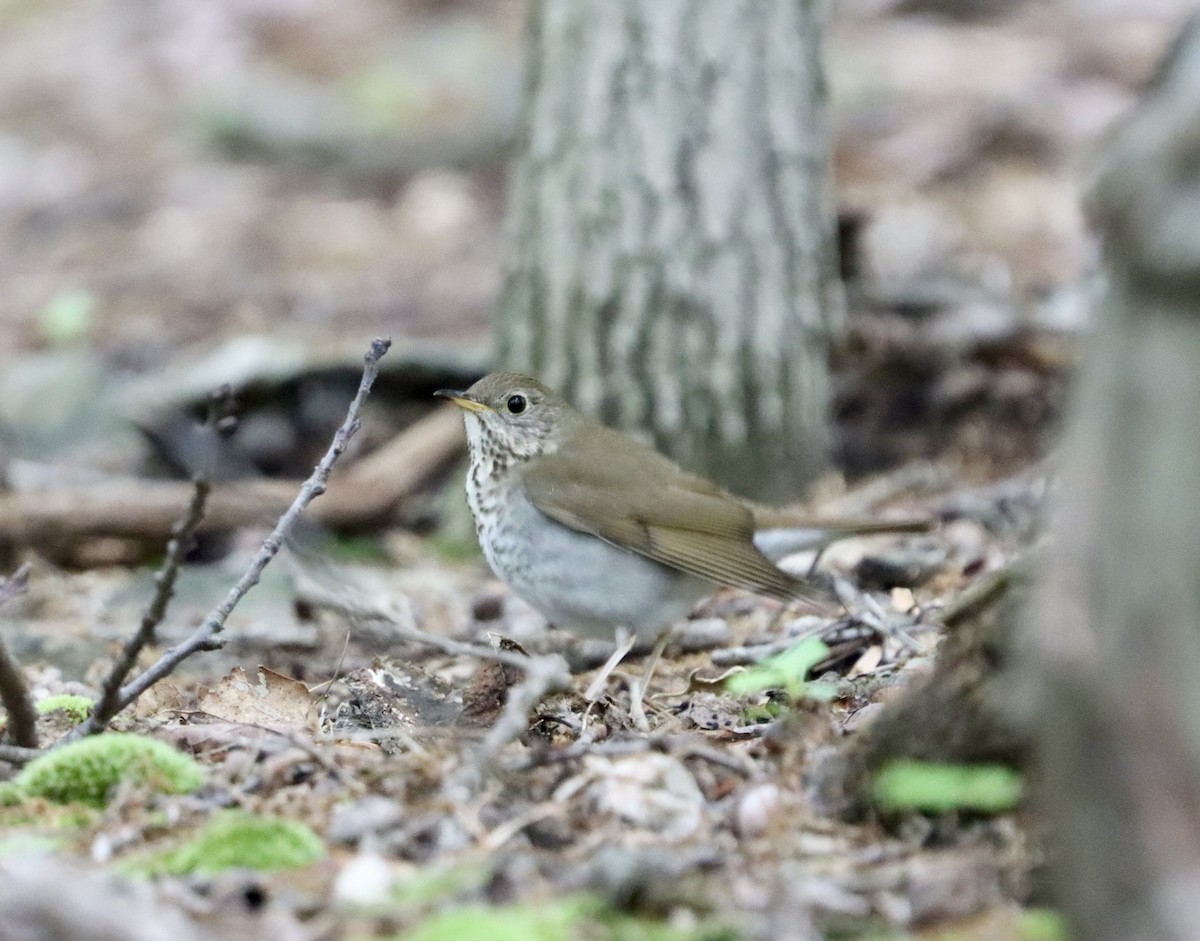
{"x":1114,"y":645}
{"x":673,"y":262}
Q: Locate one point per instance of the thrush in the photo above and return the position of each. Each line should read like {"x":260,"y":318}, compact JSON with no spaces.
{"x":605,"y":536}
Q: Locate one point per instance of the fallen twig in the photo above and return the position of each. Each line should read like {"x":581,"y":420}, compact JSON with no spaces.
{"x":356,"y":610}
{"x":919,"y":476}
{"x":109,"y":703}
{"x":22,"y":716}
{"x":18,"y":755}
{"x":457,"y":648}
{"x":147,"y":509}
{"x":207,"y":635}
{"x":982,"y":593}
{"x":542,"y":675}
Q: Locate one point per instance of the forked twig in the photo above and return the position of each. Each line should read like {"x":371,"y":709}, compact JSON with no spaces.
{"x":109,"y":703}
{"x":207,"y":635}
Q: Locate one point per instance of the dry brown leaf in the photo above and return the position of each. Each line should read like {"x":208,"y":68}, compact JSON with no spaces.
{"x":870,"y":659}
{"x":275,"y":700}
{"x":163,"y":696}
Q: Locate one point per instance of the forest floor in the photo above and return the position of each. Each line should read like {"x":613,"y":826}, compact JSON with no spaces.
{"x":248,"y":193}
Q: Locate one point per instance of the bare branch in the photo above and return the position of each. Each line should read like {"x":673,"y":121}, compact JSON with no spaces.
{"x":543,"y":674}
{"x":109,"y":703}
{"x":22,"y":716}
{"x":207,"y":635}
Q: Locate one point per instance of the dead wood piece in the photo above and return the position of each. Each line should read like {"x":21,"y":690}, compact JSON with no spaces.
{"x":147,"y":509}
{"x":16,"y":755}
{"x":142,"y":509}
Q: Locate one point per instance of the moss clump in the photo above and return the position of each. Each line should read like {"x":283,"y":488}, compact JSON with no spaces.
{"x":76,"y":707}
{"x":235,"y":840}
{"x":10,"y":794}
{"x":88,"y":771}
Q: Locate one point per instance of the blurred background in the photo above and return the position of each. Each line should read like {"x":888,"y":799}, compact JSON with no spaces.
{"x":243,"y":193}
{"x":247,"y":191}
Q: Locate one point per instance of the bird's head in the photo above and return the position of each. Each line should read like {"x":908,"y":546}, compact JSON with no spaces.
{"x":512,"y":414}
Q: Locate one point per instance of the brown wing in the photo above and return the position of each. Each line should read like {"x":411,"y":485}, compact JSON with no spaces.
{"x":635,"y":498}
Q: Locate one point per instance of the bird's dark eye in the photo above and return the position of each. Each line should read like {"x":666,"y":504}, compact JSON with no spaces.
{"x":516,"y":404}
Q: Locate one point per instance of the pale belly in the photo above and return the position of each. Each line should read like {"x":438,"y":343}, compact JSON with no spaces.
{"x":582,"y":583}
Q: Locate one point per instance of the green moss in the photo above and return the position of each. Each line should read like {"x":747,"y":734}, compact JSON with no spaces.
{"x":236,"y":840}
{"x":77,"y":708}
{"x":567,"y":919}
{"x":10,"y":794}
{"x":88,"y":771}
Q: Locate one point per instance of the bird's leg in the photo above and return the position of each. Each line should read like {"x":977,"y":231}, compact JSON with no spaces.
{"x":637,"y":689}
{"x":625,"y":641}
{"x":812,"y":568}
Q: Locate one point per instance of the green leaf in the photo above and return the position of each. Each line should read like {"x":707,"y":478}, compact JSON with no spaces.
{"x":786,"y":671}
{"x":936,"y":788}
{"x":68,"y":316}
{"x":1042,"y":924}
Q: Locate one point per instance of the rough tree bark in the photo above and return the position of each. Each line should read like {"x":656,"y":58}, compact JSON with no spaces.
{"x":673,"y":264}
{"x":1114,"y":645}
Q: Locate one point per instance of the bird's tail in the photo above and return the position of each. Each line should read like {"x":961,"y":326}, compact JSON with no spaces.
{"x":779,"y":533}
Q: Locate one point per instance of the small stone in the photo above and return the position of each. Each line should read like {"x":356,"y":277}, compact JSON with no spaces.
{"x":366,"y":880}
{"x":755,"y":810}
{"x":369,"y":815}
{"x":702,"y":634}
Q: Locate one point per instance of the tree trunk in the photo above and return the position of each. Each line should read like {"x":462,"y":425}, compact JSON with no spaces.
{"x":1114,"y":646}
{"x":673,"y":263}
